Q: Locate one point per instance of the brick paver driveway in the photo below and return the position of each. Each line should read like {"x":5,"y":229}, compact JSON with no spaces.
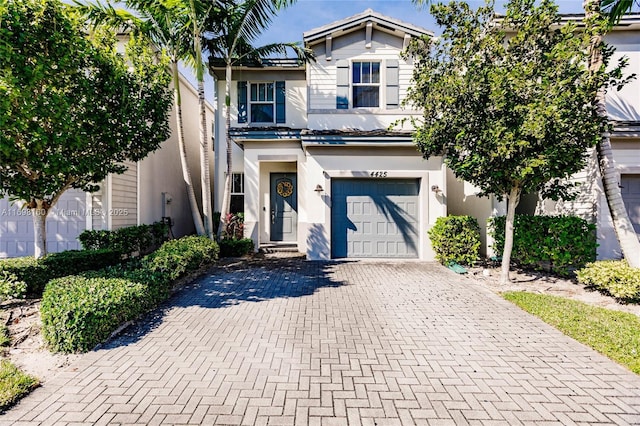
{"x":291,"y":342}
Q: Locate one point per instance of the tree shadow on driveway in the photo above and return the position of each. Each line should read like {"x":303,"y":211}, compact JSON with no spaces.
{"x":243,"y":281}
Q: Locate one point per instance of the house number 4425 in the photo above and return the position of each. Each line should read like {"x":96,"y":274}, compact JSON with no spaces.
{"x":378,"y":174}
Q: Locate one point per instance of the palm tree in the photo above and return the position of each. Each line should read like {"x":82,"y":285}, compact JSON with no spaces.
{"x":231,"y":32}
{"x":625,"y":233}
{"x":166,"y":25}
{"x":616,"y":9}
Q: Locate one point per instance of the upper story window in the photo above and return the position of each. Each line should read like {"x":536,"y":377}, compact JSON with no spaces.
{"x":261,"y":101}
{"x":366,"y":84}
{"x":263,"y":104}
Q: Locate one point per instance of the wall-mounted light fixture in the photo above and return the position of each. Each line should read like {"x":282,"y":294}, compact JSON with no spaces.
{"x":436,"y":189}
{"x":319,"y":188}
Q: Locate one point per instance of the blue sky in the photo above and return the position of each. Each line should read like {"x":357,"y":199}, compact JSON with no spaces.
{"x":305,"y":15}
{"x":308,"y":14}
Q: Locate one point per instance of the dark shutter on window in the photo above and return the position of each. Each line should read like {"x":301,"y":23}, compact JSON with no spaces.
{"x":280,"y":102}
{"x":393,"y":89}
{"x":342,"y":84}
{"x":242,"y":102}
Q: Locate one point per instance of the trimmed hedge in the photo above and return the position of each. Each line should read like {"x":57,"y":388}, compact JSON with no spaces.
{"x":140,"y":239}
{"x":178,"y":257}
{"x":236,"y":248}
{"x":79,"y":312}
{"x":37,"y":272}
{"x":560,"y":244}
{"x":456,"y":239}
{"x":615,"y":277}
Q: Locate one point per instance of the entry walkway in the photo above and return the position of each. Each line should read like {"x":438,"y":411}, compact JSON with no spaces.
{"x":289,"y":342}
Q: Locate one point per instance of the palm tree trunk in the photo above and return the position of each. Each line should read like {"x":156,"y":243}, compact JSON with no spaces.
{"x":512,"y":200}
{"x":226,"y":196}
{"x":625,"y":233}
{"x":205,"y":175}
{"x":186,"y":173}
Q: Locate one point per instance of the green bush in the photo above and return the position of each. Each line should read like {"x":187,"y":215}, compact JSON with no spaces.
{"x":178,"y":257}
{"x":78,"y":312}
{"x":37,"y":272}
{"x":456,"y":239}
{"x":613,"y":276}
{"x":140,"y":240}
{"x":560,"y":244}
{"x":11,"y":287}
{"x":236,"y":248}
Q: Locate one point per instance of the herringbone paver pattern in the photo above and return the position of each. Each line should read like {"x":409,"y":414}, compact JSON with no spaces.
{"x":304,"y":343}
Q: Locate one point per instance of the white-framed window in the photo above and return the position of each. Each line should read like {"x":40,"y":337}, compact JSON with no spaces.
{"x":365,"y":83}
{"x":262,"y":102}
{"x":237,"y":193}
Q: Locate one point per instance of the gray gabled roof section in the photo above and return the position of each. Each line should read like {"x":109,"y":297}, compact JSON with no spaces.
{"x":355,"y":22}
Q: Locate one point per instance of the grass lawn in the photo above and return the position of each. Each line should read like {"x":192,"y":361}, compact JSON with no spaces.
{"x":14,"y":384}
{"x":612,"y":333}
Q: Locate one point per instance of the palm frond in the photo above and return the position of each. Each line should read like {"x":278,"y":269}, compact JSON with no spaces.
{"x":616,"y":9}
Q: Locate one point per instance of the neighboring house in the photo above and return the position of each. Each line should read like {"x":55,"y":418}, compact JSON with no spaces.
{"x":623,"y":108}
{"x":148,"y":191}
{"x":315,"y":164}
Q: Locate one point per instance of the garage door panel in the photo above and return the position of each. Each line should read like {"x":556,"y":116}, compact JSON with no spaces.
{"x":630,"y":189}
{"x":375,"y":218}
{"x":64,"y":223}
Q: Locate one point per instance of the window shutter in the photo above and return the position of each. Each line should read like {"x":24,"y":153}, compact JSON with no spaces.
{"x":393,"y":89}
{"x":280,"y":102}
{"x":242,"y":102}
{"x":342,"y":86}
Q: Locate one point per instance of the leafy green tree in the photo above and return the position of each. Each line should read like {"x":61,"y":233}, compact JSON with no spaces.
{"x":597,"y":26}
{"x":231,"y":32}
{"x":509,"y":106}
{"x":72,"y":110}
{"x":175,"y":26}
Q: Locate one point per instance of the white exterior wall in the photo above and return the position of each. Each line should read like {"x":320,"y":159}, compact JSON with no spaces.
{"x":625,"y":104}
{"x":161,"y":172}
{"x":295,"y":113}
{"x":124,"y":199}
{"x":323,"y":113}
{"x":626,"y":156}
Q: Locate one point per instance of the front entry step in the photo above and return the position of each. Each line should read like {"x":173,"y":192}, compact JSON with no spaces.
{"x":279,"y":248}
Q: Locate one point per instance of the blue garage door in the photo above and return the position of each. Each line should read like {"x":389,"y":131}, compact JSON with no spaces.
{"x":374,"y":218}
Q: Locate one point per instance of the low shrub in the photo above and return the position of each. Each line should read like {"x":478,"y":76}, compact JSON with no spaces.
{"x":37,"y":272}
{"x":80,"y":311}
{"x":178,"y":257}
{"x":131,"y":240}
{"x":14,"y":384}
{"x":615,"y":277}
{"x":559,"y":244}
{"x":236,"y":248}
{"x":456,"y":239}
{"x":11,"y":287}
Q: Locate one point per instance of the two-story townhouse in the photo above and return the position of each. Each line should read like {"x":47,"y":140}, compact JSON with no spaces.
{"x":318,"y":163}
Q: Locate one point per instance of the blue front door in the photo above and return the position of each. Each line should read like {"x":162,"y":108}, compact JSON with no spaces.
{"x":284,"y":207}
